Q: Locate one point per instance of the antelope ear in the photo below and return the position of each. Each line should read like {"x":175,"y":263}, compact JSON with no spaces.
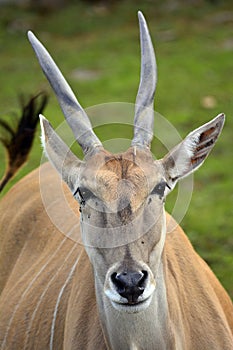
{"x":190,"y":154}
{"x":59,"y":154}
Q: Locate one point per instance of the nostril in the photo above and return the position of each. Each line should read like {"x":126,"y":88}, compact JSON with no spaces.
{"x":119,"y":284}
{"x":143,"y":279}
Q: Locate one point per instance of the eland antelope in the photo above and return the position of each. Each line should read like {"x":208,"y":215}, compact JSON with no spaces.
{"x":132,"y":284}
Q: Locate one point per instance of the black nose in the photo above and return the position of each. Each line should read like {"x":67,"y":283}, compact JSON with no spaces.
{"x":130,"y":284}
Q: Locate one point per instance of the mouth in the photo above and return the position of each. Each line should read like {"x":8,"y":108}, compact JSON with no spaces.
{"x":133,"y":307}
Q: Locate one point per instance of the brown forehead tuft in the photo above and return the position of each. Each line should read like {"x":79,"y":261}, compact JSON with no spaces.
{"x":122,"y":169}
{"x":120,"y":177}
{"x":111,"y":176}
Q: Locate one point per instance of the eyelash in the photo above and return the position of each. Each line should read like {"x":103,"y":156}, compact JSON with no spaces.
{"x":80,"y":196}
{"x":159,"y":189}
{"x":83,"y":195}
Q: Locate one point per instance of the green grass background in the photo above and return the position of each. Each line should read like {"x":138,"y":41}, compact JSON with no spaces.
{"x":194,"y":49}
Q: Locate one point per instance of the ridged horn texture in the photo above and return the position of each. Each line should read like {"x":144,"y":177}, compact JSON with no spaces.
{"x":75,"y":115}
{"x":144,"y":113}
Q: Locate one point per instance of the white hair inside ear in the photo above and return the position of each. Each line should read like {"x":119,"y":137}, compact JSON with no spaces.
{"x":42,"y":137}
{"x":59,"y":154}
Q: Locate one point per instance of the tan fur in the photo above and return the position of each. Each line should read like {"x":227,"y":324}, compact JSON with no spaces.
{"x":36,"y":265}
{"x":110,"y":184}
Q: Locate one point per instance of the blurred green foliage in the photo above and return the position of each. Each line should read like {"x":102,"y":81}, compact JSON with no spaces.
{"x":97,"y":48}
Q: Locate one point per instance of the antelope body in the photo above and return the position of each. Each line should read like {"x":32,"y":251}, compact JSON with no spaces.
{"x":131,"y":284}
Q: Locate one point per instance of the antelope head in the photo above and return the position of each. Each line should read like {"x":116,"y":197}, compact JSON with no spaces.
{"x":121,"y":197}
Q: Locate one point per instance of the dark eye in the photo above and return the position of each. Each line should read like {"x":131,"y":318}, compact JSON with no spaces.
{"x":83,"y":194}
{"x":160,"y":189}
